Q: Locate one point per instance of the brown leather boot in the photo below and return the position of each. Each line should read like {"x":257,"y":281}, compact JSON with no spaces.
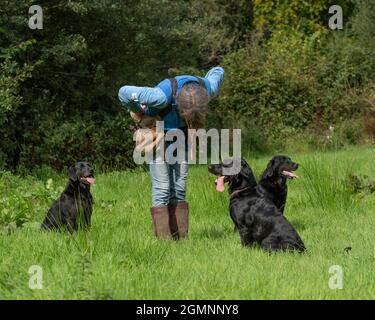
{"x":160,"y":218}
{"x":172,"y":220}
{"x":179,"y":216}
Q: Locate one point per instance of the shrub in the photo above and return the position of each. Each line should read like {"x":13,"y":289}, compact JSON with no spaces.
{"x":294,"y":82}
{"x":24,"y":198}
{"x":105,"y":142}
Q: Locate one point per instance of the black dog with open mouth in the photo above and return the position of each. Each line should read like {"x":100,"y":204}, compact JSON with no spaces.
{"x":74,"y":207}
{"x":273,"y":181}
{"x":241,"y":179}
{"x":257,"y":219}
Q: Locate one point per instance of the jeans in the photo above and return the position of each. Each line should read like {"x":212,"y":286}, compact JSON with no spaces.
{"x":168,"y":181}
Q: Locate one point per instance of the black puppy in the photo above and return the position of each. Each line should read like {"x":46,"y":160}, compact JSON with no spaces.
{"x":256,"y":217}
{"x":74,"y":207}
{"x":272,"y":183}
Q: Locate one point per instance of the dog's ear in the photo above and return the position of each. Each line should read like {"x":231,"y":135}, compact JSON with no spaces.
{"x":72,"y":174}
{"x":246,"y":172}
{"x":270,"y":170}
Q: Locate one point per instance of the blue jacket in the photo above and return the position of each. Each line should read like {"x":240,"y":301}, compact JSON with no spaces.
{"x":160,"y":96}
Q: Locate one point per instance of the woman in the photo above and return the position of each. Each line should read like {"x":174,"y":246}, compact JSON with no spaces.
{"x":181,"y":103}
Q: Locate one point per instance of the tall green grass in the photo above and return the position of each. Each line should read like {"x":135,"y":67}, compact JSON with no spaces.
{"x":325,"y":183}
{"x":121,"y":259}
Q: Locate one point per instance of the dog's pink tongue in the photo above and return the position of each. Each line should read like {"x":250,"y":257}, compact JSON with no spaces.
{"x":220,"y":184}
{"x":90,"y":180}
{"x":289,"y":174}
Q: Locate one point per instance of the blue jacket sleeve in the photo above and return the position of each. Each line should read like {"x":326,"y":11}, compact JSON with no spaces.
{"x":132,"y":97}
{"x":215,"y":76}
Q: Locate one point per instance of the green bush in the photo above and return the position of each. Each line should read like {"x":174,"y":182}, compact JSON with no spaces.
{"x":349,"y":132}
{"x":105,"y":142}
{"x":292,"y":82}
{"x":287,"y":74}
{"x":24,"y":198}
{"x":59,"y":85}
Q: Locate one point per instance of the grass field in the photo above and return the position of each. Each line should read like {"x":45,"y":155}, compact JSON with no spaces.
{"x":121,"y":259}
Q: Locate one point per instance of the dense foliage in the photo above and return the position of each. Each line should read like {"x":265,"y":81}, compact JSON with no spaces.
{"x":314,"y":83}
{"x":286,"y":72}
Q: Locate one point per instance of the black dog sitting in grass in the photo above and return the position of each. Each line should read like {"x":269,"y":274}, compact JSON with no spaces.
{"x":74,"y":207}
{"x":256,"y":217}
{"x":272,"y":183}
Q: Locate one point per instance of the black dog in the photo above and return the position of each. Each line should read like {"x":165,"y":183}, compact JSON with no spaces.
{"x":256,"y":217}
{"x":74,"y":207}
{"x":272,"y":183}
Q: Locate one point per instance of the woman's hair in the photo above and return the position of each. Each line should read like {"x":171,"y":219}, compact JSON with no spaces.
{"x":192,"y":104}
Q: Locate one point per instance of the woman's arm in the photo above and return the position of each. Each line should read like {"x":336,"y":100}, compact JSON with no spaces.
{"x":133,"y":97}
{"x":215,"y":76}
